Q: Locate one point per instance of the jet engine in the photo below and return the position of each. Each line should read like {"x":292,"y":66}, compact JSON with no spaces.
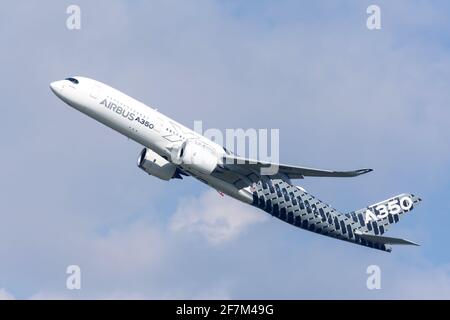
{"x":197,"y":156}
{"x":157,"y":166}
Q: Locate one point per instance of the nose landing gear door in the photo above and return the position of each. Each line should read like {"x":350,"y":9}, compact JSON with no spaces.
{"x":95,"y":91}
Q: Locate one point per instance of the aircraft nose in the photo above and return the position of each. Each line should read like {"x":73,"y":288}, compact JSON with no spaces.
{"x":57,"y":87}
{"x":53,"y":86}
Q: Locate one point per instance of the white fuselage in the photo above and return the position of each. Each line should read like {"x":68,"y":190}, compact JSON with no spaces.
{"x":138,"y":122}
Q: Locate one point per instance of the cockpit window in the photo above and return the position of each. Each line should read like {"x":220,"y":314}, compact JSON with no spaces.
{"x":73,"y":80}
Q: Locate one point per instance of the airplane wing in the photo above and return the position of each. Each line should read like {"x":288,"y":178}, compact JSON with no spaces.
{"x":248,"y":166}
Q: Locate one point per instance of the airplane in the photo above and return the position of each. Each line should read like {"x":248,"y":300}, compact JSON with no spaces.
{"x":172,"y":151}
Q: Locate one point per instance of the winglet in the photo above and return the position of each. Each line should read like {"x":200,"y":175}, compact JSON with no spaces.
{"x":363,"y":171}
{"x":353,"y":173}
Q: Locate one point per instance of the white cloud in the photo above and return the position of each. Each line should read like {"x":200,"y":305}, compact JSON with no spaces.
{"x":44,"y":295}
{"x":216,"y":219}
{"x":5,"y":295}
{"x":132,"y":248}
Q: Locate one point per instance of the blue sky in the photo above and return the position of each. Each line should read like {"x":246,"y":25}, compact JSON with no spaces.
{"x":342,"y":96}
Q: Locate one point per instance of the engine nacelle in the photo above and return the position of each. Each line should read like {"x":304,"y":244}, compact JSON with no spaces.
{"x":155,"y":165}
{"x":197,"y":156}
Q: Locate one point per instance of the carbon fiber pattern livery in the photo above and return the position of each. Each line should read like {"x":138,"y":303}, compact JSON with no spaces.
{"x":380,"y":226}
{"x":299,"y":208}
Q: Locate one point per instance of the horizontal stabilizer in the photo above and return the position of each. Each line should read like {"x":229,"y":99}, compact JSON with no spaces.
{"x":384,"y":240}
